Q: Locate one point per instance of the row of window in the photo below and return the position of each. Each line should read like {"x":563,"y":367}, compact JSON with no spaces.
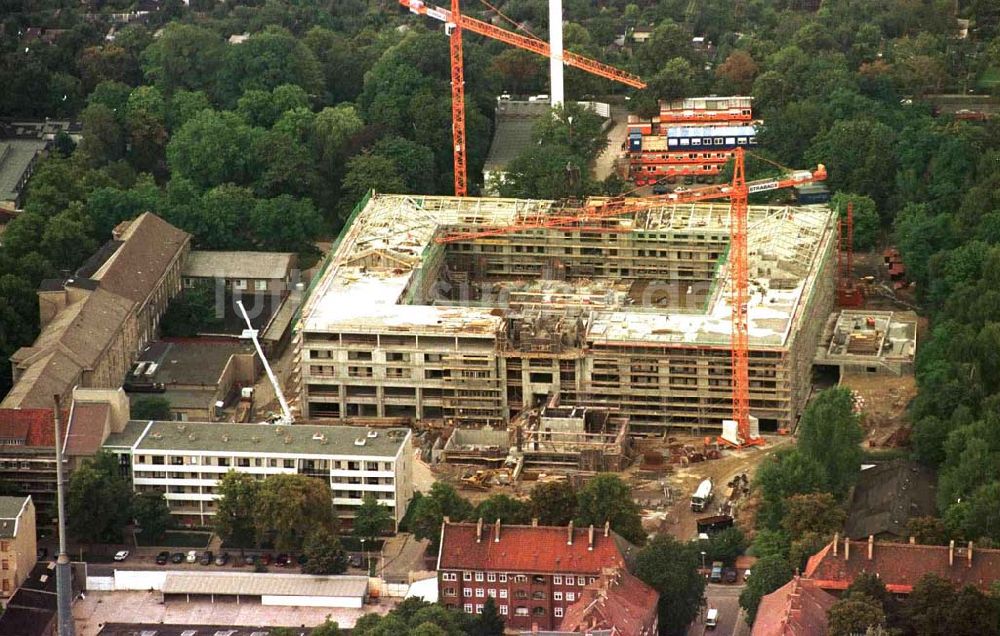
{"x":238,"y":283}
{"x":502,"y":593}
{"x":260,"y":462}
{"x":469,"y":608}
{"x":491,"y":577}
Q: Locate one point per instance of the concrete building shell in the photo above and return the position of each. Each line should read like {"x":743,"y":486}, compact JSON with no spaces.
{"x":634,"y":319}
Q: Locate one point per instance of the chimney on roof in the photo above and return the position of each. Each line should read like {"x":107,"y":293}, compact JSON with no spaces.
{"x":569,"y":533}
{"x":969,"y":555}
{"x":496,"y":539}
{"x":447,"y":519}
{"x":590,"y":543}
{"x":847,"y":548}
{"x":913,"y":540}
{"x":951,"y":552}
{"x":534,"y":522}
{"x":871,"y":546}
{"x":836,"y":540}
{"x":607,"y":528}
{"x":479,"y":530}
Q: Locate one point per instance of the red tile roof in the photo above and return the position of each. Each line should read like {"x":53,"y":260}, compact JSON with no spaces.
{"x":902,"y":565}
{"x":798,"y":608}
{"x":33,"y":427}
{"x":616,"y":601}
{"x":85,"y":432}
{"x":529,"y":549}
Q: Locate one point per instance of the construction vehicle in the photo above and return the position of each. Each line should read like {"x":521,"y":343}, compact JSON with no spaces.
{"x":251,"y":333}
{"x":702,"y":496}
{"x":455,"y":23}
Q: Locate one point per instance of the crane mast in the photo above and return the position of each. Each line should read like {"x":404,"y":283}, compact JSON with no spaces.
{"x":458,"y":100}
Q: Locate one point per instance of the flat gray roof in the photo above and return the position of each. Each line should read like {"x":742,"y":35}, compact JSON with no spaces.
{"x":272,"y":265}
{"x":129,"y":435}
{"x":15,"y":157}
{"x":250,"y":584}
{"x":10,"y":508}
{"x":298,"y":439}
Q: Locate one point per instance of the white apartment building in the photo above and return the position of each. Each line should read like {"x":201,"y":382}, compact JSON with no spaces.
{"x":186,"y":460}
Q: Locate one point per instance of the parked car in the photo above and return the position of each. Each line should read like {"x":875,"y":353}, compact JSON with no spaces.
{"x":729,"y":575}
{"x":355,"y":561}
{"x":206,"y":558}
{"x":265,"y":559}
{"x":222,"y":559}
{"x":716,"y":575}
{"x":121,"y":555}
{"x":239,"y":561}
{"x":192,"y":556}
{"x":282,"y":560}
{"x":177,"y":557}
{"x":712,"y":618}
{"x":162,"y":558}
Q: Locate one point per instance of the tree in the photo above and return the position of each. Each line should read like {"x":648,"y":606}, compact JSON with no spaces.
{"x":371,"y":518}
{"x":606,"y":498}
{"x":737,"y":72}
{"x":575,"y":127}
{"x":928,"y":530}
{"x":769,"y":573}
{"x":369,"y":171}
{"x":521,"y":72}
{"x":291,"y":508}
{"x":184,"y":57}
{"x":507,"y":509}
{"x":151,"y":408}
{"x":103,"y":140}
{"x":779,"y":477}
{"x":323,"y":552}
{"x":830,"y":434}
{"x":553,"y":503}
{"x":285,"y":223}
{"x":726,"y":545}
{"x":152,"y":514}
{"x":98,"y":501}
{"x":267,"y":60}
{"x":854,"y":152}
{"x":816,"y":512}
{"x":213,"y":148}
{"x":430,"y":510}
{"x":671,"y":568}
{"x":327,"y":628}
{"x":489,"y":623}
{"x":866,"y":220}
{"x":928,"y":608}
{"x":854,"y":614}
{"x":545,"y":172}
{"x":194,"y":311}
{"x":234,"y":516}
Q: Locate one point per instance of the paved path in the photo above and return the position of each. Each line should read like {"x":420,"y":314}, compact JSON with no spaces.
{"x":604,"y":165}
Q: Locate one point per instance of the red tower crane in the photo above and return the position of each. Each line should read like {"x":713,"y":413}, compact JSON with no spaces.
{"x":594,"y":219}
{"x":455,"y":23}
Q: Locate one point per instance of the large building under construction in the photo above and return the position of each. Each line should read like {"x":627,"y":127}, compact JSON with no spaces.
{"x":633,"y":317}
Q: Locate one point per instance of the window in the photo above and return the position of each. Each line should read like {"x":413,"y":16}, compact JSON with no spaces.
{"x":480,"y":592}
{"x":503,"y":593}
{"x":503,"y":577}
{"x":5,"y":564}
{"x":520,"y":611}
{"x":466,"y":591}
{"x":468,"y":608}
{"x":557,"y":580}
{"x":289,"y":463}
{"x":591,"y":579}
{"x":466,"y":576}
{"x":580,"y":581}
{"x":240,"y":283}
{"x":570,"y":580}
{"x":538,"y":611}
{"x":450,"y":591}
{"x":570,"y":597}
{"x":491,"y":576}
{"x":223,"y":461}
{"x":503,"y":610}
{"x":558,"y":612}
{"x":479,"y":608}
{"x":188,"y":283}
{"x":521,"y":594}
{"x":479,"y":576}
{"x":491,"y":593}
{"x":260,"y":285}
{"x":520,"y":578}
{"x":557,"y":596}
{"x":448,"y":576}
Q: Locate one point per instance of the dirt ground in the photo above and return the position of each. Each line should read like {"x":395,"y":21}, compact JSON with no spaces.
{"x":883,"y":409}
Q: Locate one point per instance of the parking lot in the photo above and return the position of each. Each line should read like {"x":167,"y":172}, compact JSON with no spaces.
{"x":145,"y":559}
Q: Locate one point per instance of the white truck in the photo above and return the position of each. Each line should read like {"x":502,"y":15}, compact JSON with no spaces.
{"x":702,"y":497}
{"x":712,"y":618}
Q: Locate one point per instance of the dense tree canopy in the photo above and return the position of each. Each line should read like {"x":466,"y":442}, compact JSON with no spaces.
{"x":671,"y":568}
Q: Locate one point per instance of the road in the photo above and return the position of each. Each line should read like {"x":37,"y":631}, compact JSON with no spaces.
{"x":725,"y":598}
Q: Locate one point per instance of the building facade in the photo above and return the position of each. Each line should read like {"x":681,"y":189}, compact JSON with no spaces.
{"x":18,"y":543}
{"x":532,"y":573}
{"x":185,"y":461}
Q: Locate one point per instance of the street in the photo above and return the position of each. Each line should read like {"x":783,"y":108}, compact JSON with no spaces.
{"x":724,"y":598}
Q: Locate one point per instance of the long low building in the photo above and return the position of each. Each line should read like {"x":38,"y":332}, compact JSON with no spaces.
{"x":185,"y":461}
{"x":298,"y":590}
{"x":633,"y":317}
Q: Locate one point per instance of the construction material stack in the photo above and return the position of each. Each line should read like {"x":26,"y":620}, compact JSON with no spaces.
{"x":691,"y":139}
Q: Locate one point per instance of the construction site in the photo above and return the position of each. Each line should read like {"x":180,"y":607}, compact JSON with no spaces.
{"x":632,"y":318}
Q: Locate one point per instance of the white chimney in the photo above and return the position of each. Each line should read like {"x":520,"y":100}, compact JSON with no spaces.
{"x":556,"y":52}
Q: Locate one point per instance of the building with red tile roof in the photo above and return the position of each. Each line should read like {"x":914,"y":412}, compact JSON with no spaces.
{"x":617,"y":603}
{"x":797,"y":608}
{"x":902,"y":565}
{"x":27,"y":459}
{"x":533,"y":573}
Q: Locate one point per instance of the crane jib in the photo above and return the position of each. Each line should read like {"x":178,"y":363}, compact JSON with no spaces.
{"x":761,"y":187}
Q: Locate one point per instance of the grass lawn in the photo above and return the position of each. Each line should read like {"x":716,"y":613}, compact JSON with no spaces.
{"x":177,"y":539}
{"x":989,"y":80}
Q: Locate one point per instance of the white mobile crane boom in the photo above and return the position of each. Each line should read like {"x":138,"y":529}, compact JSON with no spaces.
{"x":250,"y":332}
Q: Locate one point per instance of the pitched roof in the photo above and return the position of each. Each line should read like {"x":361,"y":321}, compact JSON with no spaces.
{"x":249,"y":584}
{"x":902,"y":565}
{"x":149,"y":246}
{"x":529,"y":549}
{"x":798,"y":608}
{"x":274,"y":265}
{"x":85,"y":430}
{"x":887,"y":495}
{"x":616,"y":601}
{"x":27,"y":427}
{"x":10,"y":511}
